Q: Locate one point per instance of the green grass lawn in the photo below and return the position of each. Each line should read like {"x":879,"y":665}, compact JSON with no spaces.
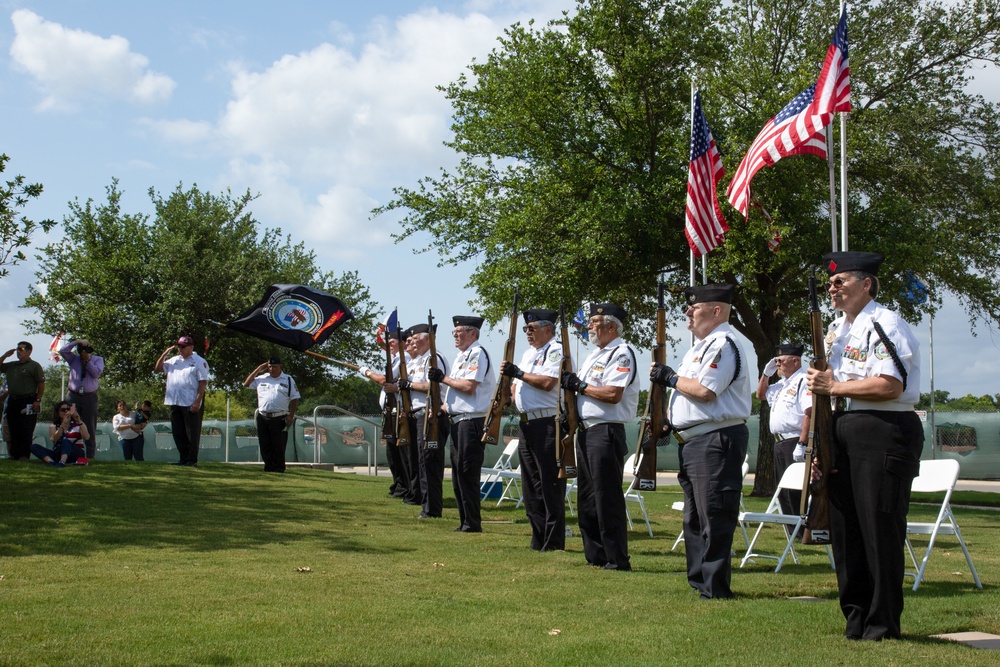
{"x":151,"y":564}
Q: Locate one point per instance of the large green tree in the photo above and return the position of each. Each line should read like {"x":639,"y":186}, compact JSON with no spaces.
{"x":132,"y":283}
{"x":16,"y":230}
{"x":573,"y":143}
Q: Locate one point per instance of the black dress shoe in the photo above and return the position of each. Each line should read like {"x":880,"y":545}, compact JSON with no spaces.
{"x":407,"y":501}
{"x":424,"y":515}
{"x":618,"y":568}
{"x":178,"y":463}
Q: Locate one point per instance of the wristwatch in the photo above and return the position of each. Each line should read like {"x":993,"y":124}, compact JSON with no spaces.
{"x":583,"y":385}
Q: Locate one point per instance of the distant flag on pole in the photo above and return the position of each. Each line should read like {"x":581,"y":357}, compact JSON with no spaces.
{"x":387,"y":329}
{"x":798,"y":128}
{"x":704,"y":224}
{"x":55,"y":346}
{"x":295,"y":316}
{"x":580,"y":322}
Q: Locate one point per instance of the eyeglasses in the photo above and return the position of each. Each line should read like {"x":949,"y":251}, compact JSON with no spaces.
{"x":21,"y":348}
{"x":460,"y":330}
{"x":532,"y":328}
{"x":837,"y":283}
{"x":64,"y":409}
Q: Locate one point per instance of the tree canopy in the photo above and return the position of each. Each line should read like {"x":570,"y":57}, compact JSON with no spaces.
{"x":16,"y":230}
{"x":573,"y":143}
{"x":132,"y":284}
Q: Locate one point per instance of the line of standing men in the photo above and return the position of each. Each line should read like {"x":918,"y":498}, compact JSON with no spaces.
{"x":467,"y":388}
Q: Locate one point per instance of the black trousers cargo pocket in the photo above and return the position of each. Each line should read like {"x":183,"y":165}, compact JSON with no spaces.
{"x":894,"y":489}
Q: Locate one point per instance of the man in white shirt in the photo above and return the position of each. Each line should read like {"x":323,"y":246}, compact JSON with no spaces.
{"x":471,"y":383}
{"x":791,"y":404}
{"x":535,"y":390}
{"x":708,"y":408}
{"x":277,"y":398}
{"x":607,"y":396}
{"x":187,"y":379}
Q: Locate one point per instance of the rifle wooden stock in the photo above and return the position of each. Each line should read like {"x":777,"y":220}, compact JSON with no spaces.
{"x":651,"y":425}
{"x":432,"y":429}
{"x":820,"y":445}
{"x":403,"y":435}
{"x":566,"y":442}
{"x":491,"y":429}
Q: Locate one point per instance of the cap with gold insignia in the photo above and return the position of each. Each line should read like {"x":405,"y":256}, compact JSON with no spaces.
{"x":540,"y":314}
{"x":468,"y":321}
{"x":789,"y":349}
{"x":713,"y":292}
{"x":841,"y":262}
{"x":611,"y":309}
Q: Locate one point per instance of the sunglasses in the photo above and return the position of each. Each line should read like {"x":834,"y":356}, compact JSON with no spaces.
{"x":837,"y":283}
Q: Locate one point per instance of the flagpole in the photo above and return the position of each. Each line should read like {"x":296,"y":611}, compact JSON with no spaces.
{"x":691,"y":263}
{"x":309,"y":352}
{"x":843,"y":171}
{"x":833,"y":187}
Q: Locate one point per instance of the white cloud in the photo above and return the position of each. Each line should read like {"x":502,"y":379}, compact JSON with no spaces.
{"x":70,"y":65}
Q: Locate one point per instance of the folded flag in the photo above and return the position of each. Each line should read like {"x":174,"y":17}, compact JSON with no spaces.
{"x":295,"y":316}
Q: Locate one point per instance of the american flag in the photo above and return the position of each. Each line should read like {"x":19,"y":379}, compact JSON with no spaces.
{"x":56,"y":345}
{"x":704,"y":224}
{"x":798,"y":128}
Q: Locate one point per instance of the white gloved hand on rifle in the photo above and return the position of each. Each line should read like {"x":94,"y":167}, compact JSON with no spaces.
{"x":799,"y":454}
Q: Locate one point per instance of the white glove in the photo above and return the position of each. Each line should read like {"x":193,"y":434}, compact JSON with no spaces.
{"x":799,"y":454}
{"x":771,"y":368}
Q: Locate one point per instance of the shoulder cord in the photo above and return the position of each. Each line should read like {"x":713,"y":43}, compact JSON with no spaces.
{"x":892,"y":351}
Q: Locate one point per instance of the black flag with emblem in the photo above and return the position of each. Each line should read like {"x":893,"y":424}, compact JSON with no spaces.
{"x":295,"y":316}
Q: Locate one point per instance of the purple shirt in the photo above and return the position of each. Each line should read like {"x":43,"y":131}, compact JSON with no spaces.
{"x":82,"y":377}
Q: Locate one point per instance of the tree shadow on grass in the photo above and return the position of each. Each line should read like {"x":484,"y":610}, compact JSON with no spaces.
{"x":78,"y":511}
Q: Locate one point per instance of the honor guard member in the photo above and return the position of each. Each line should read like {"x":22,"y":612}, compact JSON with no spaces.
{"x":277,"y":398}
{"x":430,"y":455}
{"x":874,"y":378}
{"x":607,"y":398}
{"x":791,"y":404}
{"x":187,"y":379}
{"x":410,"y":452}
{"x":85,"y":370}
{"x":471,"y":384}
{"x":708,"y":408}
{"x":535,"y":392}
{"x":399,"y":486}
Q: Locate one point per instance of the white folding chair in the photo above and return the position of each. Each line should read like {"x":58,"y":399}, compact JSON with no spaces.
{"x":935,"y":477}
{"x":791,"y":480}
{"x":570,"y":488}
{"x":679,"y":506}
{"x":504,"y":473}
{"x":632,"y":495}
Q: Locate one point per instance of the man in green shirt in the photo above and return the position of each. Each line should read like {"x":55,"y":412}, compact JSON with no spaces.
{"x":26,"y":383}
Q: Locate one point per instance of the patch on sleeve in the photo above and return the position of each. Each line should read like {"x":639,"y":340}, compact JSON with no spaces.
{"x":880,"y":351}
{"x":554,"y":356}
{"x":718,"y":358}
{"x":623,"y":363}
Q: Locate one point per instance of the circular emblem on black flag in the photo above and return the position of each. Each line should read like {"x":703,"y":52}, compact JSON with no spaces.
{"x":294,"y":313}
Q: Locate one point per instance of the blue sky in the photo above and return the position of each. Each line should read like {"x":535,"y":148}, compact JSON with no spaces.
{"x":320,"y":107}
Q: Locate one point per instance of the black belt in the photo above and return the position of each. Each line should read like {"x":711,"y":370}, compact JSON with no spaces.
{"x":81,"y":393}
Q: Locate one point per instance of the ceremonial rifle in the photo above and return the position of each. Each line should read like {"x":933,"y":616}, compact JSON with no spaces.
{"x":403,"y":435}
{"x":820,"y":446}
{"x":566,"y":442}
{"x":651,"y":427}
{"x":432,"y":433}
{"x":491,"y":430}
{"x":389,"y":409}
